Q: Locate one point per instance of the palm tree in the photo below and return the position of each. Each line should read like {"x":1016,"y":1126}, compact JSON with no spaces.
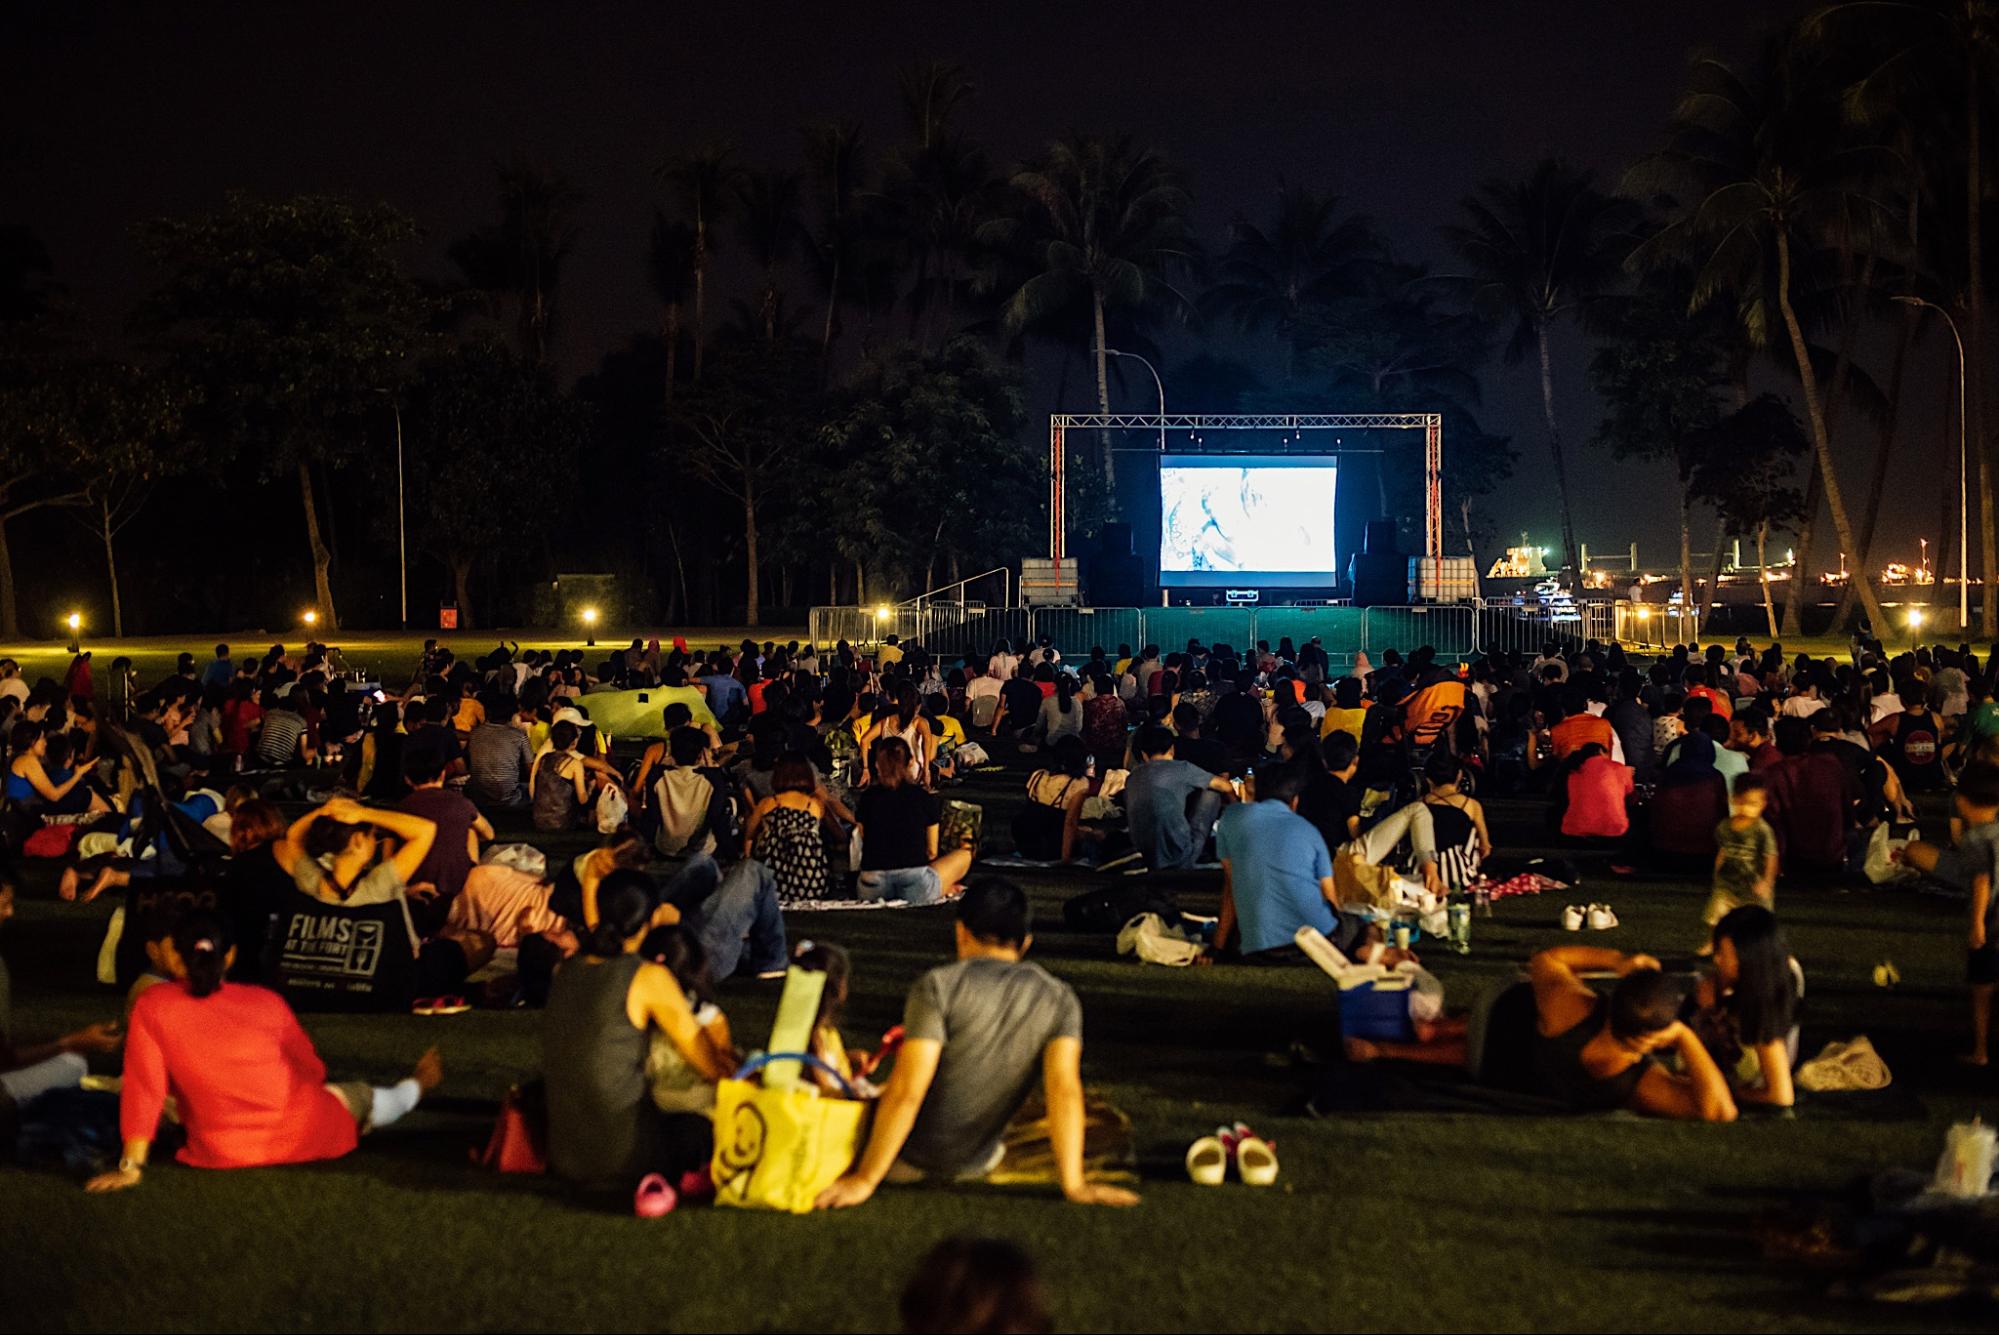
{"x":834,"y":150}
{"x":670,"y":266}
{"x":932,"y":91}
{"x":1308,"y":257}
{"x":1934,"y":65}
{"x":706,"y":182}
{"x":1106,"y":223}
{"x":1759,"y":176}
{"x":521,"y":257}
{"x":1536,"y":252}
{"x":769,"y":219}
{"x":938,"y":198}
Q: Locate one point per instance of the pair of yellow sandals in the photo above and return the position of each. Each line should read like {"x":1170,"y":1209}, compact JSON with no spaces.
{"x":1255,"y":1158}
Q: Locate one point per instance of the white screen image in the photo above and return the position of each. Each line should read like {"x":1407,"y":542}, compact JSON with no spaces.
{"x":1224,"y":519}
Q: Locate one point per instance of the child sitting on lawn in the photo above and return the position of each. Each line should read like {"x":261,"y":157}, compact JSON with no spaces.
{"x":1745,"y":858}
{"x":676,"y":1077}
{"x":827,"y":1044}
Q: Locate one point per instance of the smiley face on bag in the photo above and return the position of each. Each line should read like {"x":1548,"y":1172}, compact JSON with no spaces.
{"x":743,"y":1147}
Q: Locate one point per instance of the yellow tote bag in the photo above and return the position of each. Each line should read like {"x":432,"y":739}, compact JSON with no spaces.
{"x":777,"y":1149}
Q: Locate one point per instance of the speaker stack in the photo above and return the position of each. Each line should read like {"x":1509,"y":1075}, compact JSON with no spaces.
{"x":1378,"y":573}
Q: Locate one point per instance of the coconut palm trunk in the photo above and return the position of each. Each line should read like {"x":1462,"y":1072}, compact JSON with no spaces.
{"x":1821,"y":443}
{"x":700,"y":289}
{"x":1569,"y":550}
{"x":1763,"y":575}
{"x":1686,"y":554}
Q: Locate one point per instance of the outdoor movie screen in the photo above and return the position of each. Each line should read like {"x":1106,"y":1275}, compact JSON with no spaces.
{"x":1232,"y":520}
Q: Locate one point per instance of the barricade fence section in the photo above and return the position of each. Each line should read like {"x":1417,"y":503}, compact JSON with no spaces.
{"x":1454,"y":630}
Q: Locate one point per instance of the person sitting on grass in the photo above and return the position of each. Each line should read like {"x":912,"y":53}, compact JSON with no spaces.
{"x":899,"y":824}
{"x":977,"y":1034}
{"x":334,"y":855}
{"x":827,"y":1044}
{"x":32,"y":789}
{"x":1745,"y":1009}
{"x":785,"y":830}
{"x":1277,"y":876}
{"x":676,"y":1074}
{"x":1596,"y":1052}
{"x":562,"y":789}
{"x":251,"y":1090}
{"x":36,"y":1068}
{"x":1050,"y":827}
{"x":604,"y":1005}
{"x":1170,"y":804}
{"x":497,"y":759}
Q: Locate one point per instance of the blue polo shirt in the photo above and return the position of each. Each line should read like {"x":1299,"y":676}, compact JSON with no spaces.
{"x":1276,"y":862}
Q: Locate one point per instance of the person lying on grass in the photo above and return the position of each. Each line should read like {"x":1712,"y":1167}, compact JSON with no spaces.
{"x":977,"y":1032}
{"x":1596,"y":1052}
{"x":252,"y":1091}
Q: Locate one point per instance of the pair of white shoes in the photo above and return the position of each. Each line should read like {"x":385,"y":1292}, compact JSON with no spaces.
{"x":1598,"y":916}
{"x":1255,"y":1158}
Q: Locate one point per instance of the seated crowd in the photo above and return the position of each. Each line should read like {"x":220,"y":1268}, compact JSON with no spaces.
{"x":680,"y":801}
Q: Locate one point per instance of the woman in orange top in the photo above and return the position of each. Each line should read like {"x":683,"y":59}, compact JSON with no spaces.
{"x":252,"y":1091}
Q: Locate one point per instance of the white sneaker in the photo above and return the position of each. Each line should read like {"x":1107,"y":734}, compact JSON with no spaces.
{"x":1601,"y":919}
{"x":1572,"y":918}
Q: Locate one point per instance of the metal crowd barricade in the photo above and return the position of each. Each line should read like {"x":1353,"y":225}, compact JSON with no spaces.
{"x":1454,"y":630}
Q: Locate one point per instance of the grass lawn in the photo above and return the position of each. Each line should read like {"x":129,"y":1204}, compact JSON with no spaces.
{"x":1407,"y":1221}
{"x":392,"y":652}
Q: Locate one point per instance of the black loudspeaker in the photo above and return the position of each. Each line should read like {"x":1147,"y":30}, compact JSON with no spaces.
{"x":1378,"y":577}
{"x":1380,"y":538}
{"x":1119,"y":581}
{"x":1115,"y":540}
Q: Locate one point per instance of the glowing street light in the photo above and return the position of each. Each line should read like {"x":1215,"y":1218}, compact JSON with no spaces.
{"x":1915,"y":618}
{"x":590,"y":626}
{"x":310,"y":617}
{"x":75,"y":623}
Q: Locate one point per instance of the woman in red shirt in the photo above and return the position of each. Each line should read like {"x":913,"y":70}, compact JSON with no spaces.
{"x":252,"y":1091}
{"x":1597,"y":790}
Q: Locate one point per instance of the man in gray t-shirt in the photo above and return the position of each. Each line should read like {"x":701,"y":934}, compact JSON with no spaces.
{"x":976,"y":1035}
{"x":1170,"y":805}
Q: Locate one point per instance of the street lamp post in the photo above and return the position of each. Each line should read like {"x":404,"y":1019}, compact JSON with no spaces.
{"x":1157,"y":384}
{"x":1963,"y":478}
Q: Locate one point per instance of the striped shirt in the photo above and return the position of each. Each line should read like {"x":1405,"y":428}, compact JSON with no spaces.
{"x":277,"y":740}
{"x":497,"y":759}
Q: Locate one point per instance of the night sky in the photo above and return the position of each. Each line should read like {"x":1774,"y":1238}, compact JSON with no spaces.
{"x":116,"y":112}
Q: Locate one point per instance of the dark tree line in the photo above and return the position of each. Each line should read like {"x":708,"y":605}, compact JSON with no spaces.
{"x":858,"y":420}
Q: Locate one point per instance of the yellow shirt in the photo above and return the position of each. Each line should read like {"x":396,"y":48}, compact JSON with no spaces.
{"x":1343,"y":720}
{"x":888,"y":653}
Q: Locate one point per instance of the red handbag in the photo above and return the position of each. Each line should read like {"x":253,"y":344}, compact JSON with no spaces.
{"x":50,"y":841}
{"x":517,"y":1144}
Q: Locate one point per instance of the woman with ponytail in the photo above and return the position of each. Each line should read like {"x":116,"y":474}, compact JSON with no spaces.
{"x":902,"y":721}
{"x":252,"y":1091}
{"x":604,"y":1007}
